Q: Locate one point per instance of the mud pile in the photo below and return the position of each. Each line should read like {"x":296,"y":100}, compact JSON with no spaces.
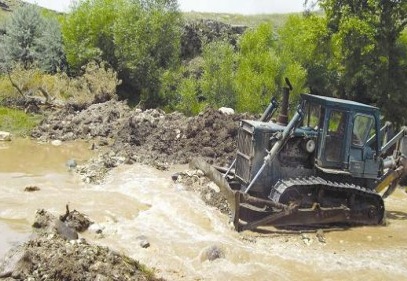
{"x":155,"y":137}
{"x":151,"y":136}
{"x":56,"y":253}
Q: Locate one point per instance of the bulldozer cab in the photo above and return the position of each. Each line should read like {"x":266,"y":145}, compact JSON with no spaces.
{"x":348,"y":139}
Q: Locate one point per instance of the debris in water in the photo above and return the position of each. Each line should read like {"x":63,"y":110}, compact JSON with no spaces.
{"x":212,"y":253}
{"x":31,"y":188}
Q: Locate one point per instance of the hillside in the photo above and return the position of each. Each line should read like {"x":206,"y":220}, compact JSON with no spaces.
{"x":277,"y":20}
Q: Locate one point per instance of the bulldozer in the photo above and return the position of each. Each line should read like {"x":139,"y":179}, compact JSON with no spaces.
{"x":332,"y":163}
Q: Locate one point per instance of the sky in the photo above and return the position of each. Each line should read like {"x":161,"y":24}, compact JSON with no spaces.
{"x":219,"y":6}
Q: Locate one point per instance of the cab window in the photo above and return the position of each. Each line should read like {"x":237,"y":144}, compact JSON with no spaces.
{"x":337,"y":123}
{"x":312,"y":116}
{"x":363,"y":128}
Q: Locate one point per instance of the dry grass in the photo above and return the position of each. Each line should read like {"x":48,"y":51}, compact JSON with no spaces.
{"x":277,"y":20}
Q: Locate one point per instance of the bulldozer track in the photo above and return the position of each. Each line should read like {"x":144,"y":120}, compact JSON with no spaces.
{"x":361,"y":205}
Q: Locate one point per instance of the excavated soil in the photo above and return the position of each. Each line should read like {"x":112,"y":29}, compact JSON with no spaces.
{"x":150,"y":137}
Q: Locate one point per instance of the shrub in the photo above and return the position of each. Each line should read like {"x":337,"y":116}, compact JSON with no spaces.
{"x":31,"y":40}
{"x":97,"y":84}
{"x":217,"y":82}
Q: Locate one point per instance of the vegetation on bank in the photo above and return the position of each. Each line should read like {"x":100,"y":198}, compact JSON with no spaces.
{"x":17,"y":121}
{"x":355,"y":50}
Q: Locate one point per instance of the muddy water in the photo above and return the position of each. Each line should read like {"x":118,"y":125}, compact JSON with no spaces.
{"x":140,"y":201}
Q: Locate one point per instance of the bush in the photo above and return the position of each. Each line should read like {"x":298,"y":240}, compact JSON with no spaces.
{"x":31,"y":40}
{"x":140,"y":39}
{"x":217,"y":82}
{"x":97,"y":84}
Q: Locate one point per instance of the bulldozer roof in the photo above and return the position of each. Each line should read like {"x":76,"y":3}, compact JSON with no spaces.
{"x":335,"y":102}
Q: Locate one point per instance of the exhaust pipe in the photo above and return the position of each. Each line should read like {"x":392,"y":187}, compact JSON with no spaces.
{"x":283,"y":116}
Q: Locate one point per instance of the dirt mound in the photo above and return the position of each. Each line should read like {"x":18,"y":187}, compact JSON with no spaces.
{"x":153,"y":136}
{"x":70,"y":123}
{"x":50,"y":255}
{"x":150,"y":136}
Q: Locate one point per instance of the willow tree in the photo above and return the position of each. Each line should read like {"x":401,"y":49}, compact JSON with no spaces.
{"x":365,"y":39}
{"x":139,"y":38}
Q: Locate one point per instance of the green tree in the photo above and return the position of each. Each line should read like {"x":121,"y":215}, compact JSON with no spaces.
{"x":139,"y":38}
{"x":306,"y":41}
{"x":217,"y":81}
{"x":49,"y":48}
{"x":262,"y":68}
{"x":147,"y":37}
{"x":88,"y":32}
{"x":31,"y":39}
{"x":365,"y":37}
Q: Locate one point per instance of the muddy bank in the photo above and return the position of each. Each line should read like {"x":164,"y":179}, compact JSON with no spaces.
{"x":151,"y":137}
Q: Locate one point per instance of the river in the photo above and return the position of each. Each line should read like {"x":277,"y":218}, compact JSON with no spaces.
{"x":138,"y":201}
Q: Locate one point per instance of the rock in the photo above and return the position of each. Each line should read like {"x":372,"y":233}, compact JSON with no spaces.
{"x":76,"y":220}
{"x":43,"y":219}
{"x":212,"y":253}
{"x":56,"y":142}
{"x":227,"y":110}
{"x":11,"y":261}
{"x":5,"y":136}
{"x":49,"y":257}
{"x":96,"y":228}
{"x":45,"y":222}
{"x":214,"y":187}
{"x":71,"y":163}
{"x":143,"y":241}
{"x":65,"y":231}
{"x":306,"y":239}
{"x":175,"y":176}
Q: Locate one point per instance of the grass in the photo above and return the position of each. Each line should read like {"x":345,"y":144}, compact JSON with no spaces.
{"x":17,"y":121}
{"x":277,"y":20}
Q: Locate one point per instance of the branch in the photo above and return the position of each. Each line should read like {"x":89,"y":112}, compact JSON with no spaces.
{"x":45,"y":94}
{"x":15,"y":85}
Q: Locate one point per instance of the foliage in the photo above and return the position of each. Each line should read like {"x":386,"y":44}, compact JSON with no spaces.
{"x":87,"y":32}
{"x":217,"y":81}
{"x":30,"y":40}
{"x":49,"y":48}
{"x":189,"y":103}
{"x":306,"y":41}
{"x":262,"y":69}
{"x":244,"y":79}
{"x":140,"y":39}
{"x":277,"y":20}
{"x":98,"y":83}
{"x":364,"y":36}
{"x":148,"y":35}
{"x":181,"y":88}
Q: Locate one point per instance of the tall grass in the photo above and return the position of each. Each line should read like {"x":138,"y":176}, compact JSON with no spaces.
{"x":17,"y":121}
